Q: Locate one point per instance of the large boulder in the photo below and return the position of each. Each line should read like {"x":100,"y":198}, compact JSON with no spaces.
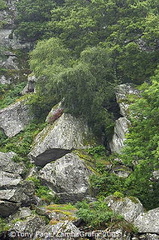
{"x":120,"y":130}
{"x":59,"y":138}
{"x":129,"y":208}
{"x":148,"y":222}
{"x":67,"y":177}
{"x":15,"y":118}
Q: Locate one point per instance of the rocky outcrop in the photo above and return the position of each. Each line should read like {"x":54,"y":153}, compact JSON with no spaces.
{"x":123,"y":94}
{"x":120,"y":130}
{"x":148,"y":222}
{"x":14,"y":118}
{"x":55,"y":140}
{"x":129,"y":208}
{"x":67,"y":177}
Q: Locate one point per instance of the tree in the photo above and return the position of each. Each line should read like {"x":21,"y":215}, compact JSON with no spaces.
{"x":142,"y":145}
{"x":86,"y":85}
{"x":32,"y":18}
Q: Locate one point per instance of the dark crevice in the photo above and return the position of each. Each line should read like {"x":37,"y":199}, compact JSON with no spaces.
{"x":50,"y":155}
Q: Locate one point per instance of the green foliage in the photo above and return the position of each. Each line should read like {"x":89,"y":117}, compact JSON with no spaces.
{"x":10,"y":93}
{"x":118,"y":194}
{"x":21,"y":143}
{"x":97,"y":152}
{"x":3,"y":225}
{"x":3,"y":5}
{"x":60,"y":79}
{"x":42,"y":191}
{"x":141,"y":151}
{"x":96,"y":214}
{"x":33,"y":24}
{"x":105,"y":183}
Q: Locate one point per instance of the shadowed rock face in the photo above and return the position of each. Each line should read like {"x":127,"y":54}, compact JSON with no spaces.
{"x":64,"y":135}
{"x":49,"y":156}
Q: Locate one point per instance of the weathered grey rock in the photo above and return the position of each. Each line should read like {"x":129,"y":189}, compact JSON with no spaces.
{"x":63,"y":230}
{"x":8,"y":180}
{"x":123,"y":92}
{"x":129,"y":209}
{"x":27,"y":228}
{"x":4,"y":37}
{"x":25,"y":193}
{"x":67,"y":177}
{"x":121,"y":171}
{"x":11,"y":199}
{"x":22,"y":213}
{"x":14,"y":118}
{"x":5,"y":80}
{"x":148,"y":222}
{"x":156,"y":175}
{"x":7,"y":206}
{"x":56,"y":140}
{"x":30,"y":87}
{"x":149,"y":236}
{"x":8,"y":165}
{"x":121,"y":128}
{"x":10,"y":63}
{"x":9,"y":40}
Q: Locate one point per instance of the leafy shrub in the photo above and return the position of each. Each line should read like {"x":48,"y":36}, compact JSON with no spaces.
{"x":106,"y":184}
{"x":42,"y":191}
{"x":10,"y":93}
{"x":3,"y":5}
{"x":96,"y":214}
{"x":3,"y":225}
